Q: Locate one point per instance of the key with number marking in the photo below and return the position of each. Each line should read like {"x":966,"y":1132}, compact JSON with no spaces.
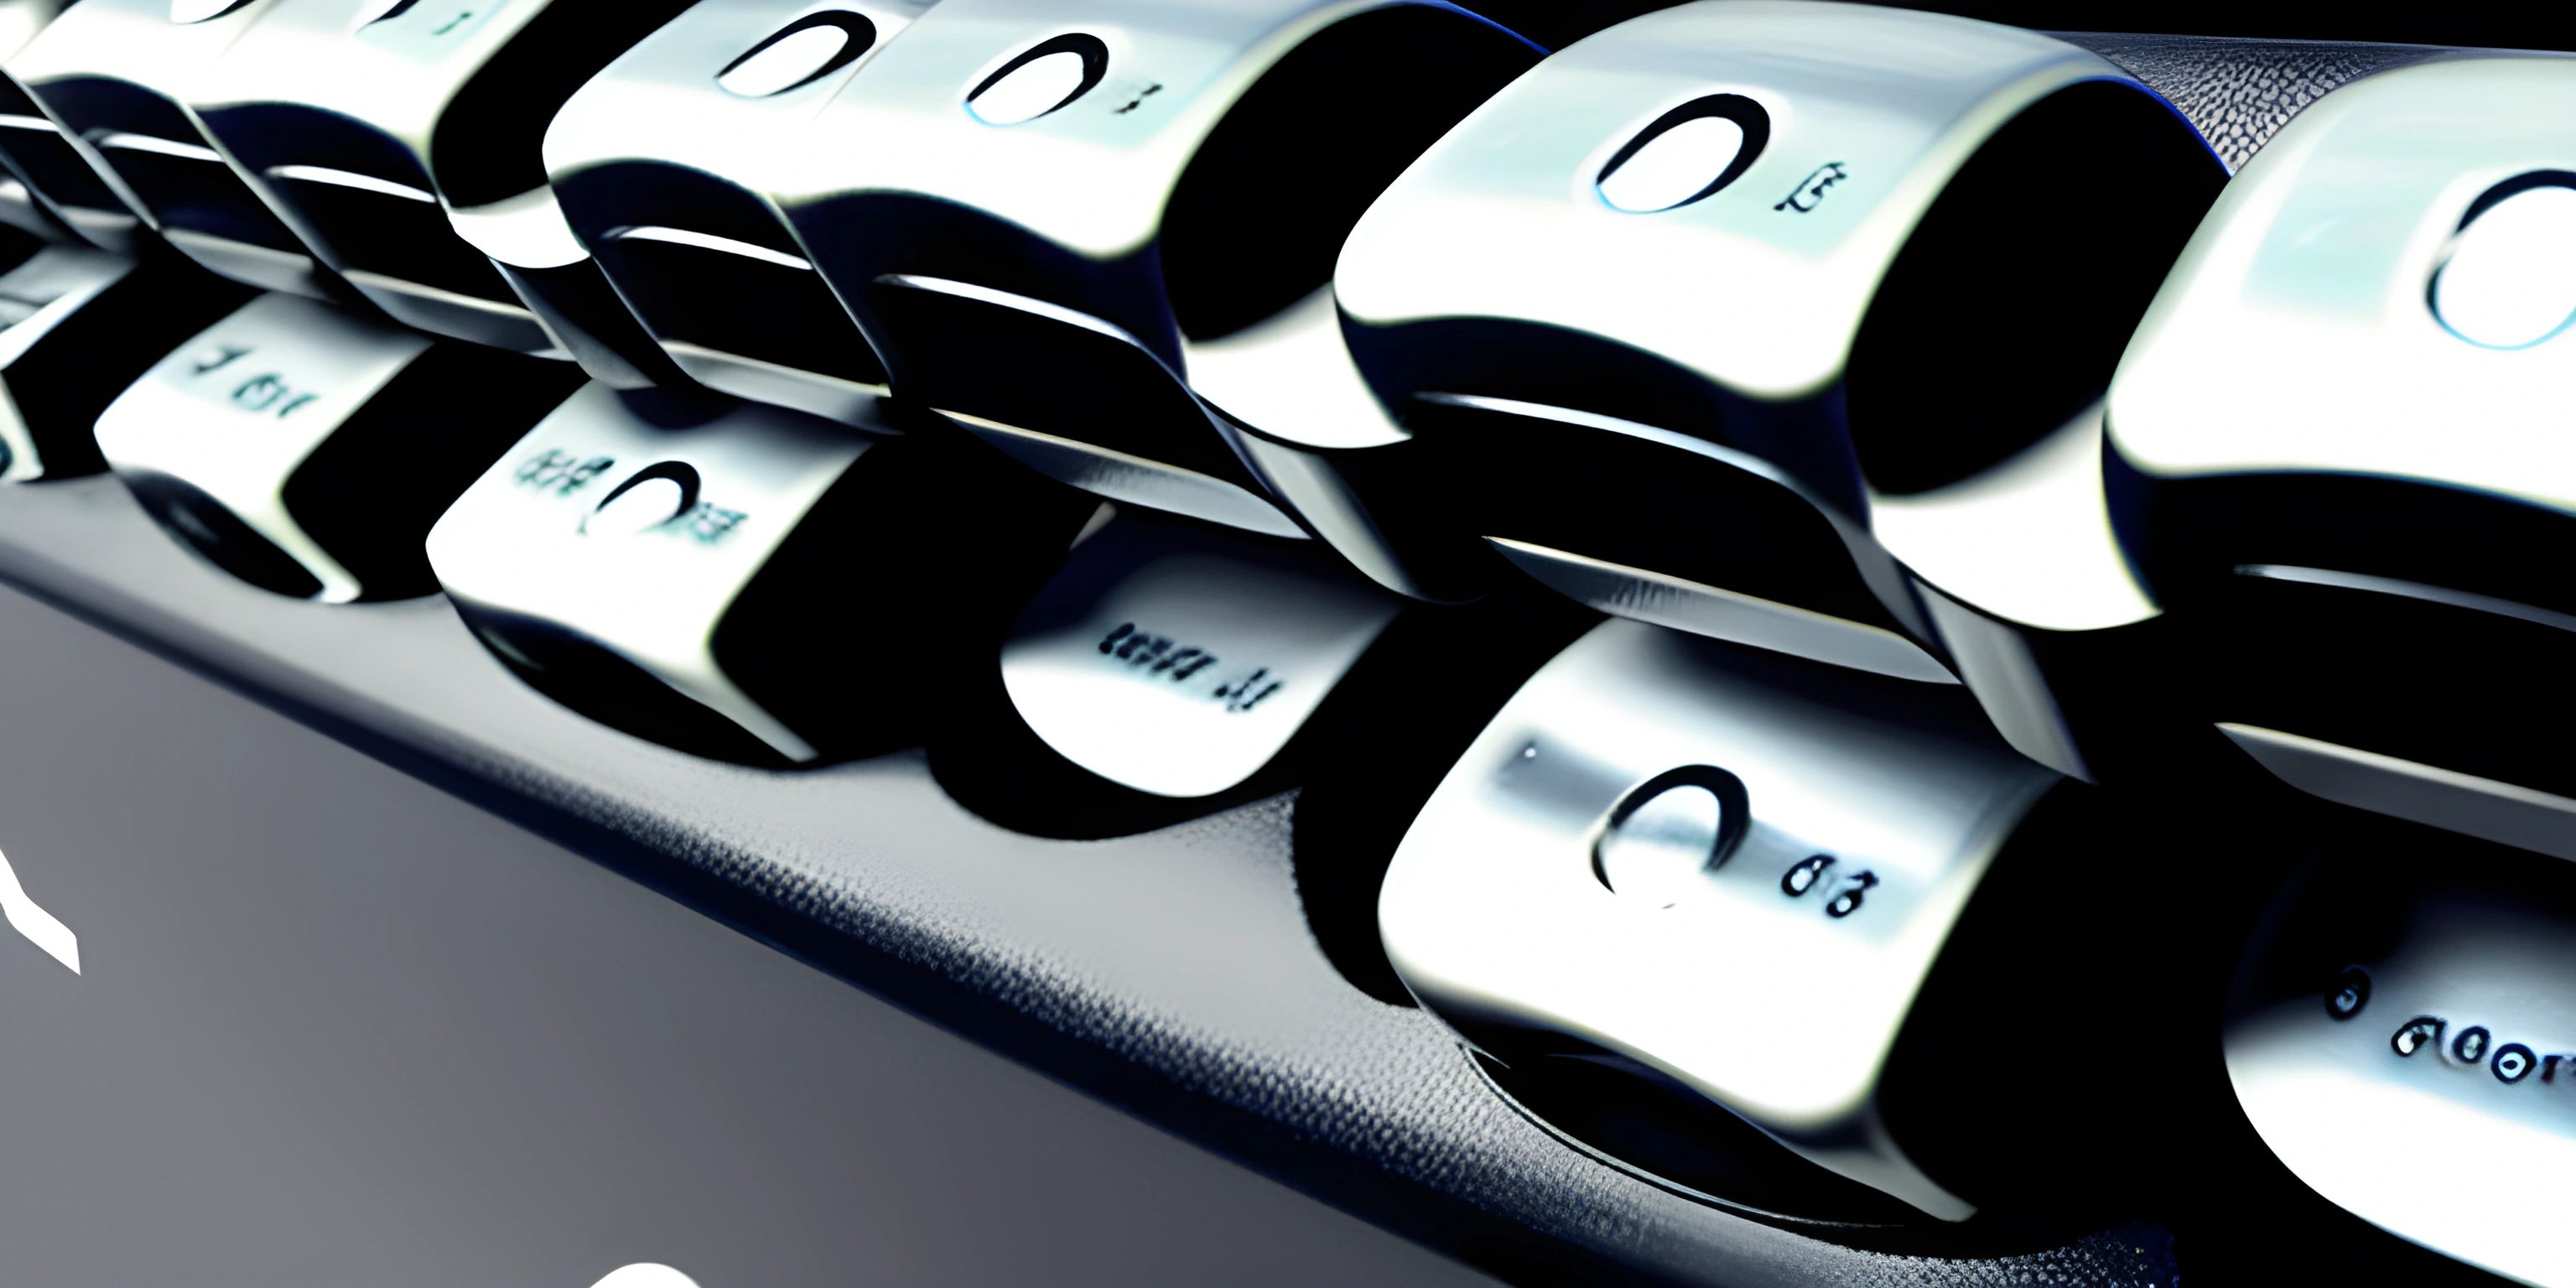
{"x":308,"y":451}
{"x":2399,"y":1037}
{"x":1785,"y":324}
{"x":1811,"y":942}
{"x":77,"y":326}
{"x":2355,"y":537}
{"x":665,"y":163}
{"x":113,"y":75}
{"x":404,"y":143}
{"x":1169,"y":669}
{"x":1166,"y":670}
{"x":1117,"y":199}
{"x":743,"y":581}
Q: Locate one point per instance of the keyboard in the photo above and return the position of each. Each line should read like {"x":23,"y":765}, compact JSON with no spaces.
{"x":1752,"y":641}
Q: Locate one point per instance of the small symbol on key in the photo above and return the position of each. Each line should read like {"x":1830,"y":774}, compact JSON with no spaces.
{"x":225,"y":356}
{"x":559,"y":472}
{"x":261,"y":392}
{"x":2350,"y":993}
{"x":1803,"y":875}
{"x":1848,"y":902}
{"x":1249,"y":692}
{"x":710,"y":524}
{"x":2471,"y":1046}
{"x":2513,"y":1063}
{"x":2415,"y":1033}
{"x":1810,"y":191}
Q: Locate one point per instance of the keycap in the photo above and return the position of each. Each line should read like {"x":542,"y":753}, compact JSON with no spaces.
{"x":1811,"y":942}
{"x":77,"y":326}
{"x":53,"y":184}
{"x":1167,"y":669}
{"x":663,"y":164}
{"x":45,"y":186}
{"x":1786,"y":324}
{"x":111,"y":75}
{"x":2400,"y":1038}
{"x":22,"y":207}
{"x":307,"y":451}
{"x":2338,"y":449}
{"x":742,"y":581}
{"x":405,"y":140}
{"x":1170,"y":669}
{"x":1111,"y":199}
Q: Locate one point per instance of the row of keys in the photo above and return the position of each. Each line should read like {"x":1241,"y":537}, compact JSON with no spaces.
{"x":1754,"y":322}
{"x":1646,"y":806}
{"x":1744,"y":322}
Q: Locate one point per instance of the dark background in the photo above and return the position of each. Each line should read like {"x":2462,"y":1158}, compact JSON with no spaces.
{"x":2506,"y":25}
